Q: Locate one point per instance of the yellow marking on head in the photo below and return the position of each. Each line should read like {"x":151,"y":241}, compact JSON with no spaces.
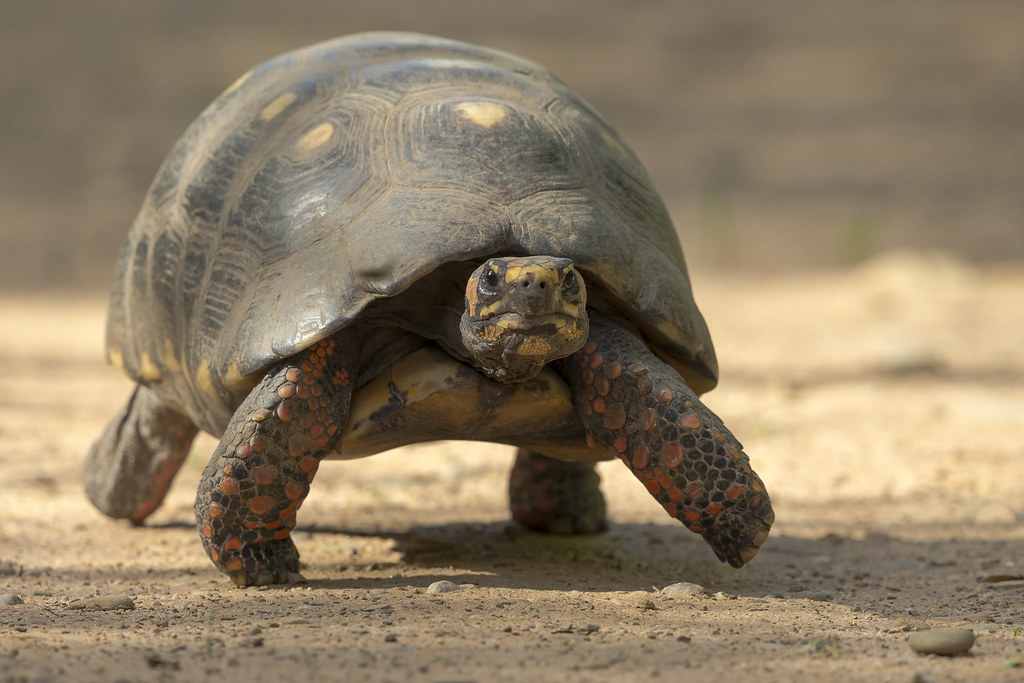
{"x":170,"y":360}
{"x":316,"y":136}
{"x":203,"y":379}
{"x":238,"y":82}
{"x":485,"y":114}
{"x":533,"y":346}
{"x":471,"y":297}
{"x":147,"y":368}
{"x":116,"y":358}
{"x":491,"y":332}
{"x":280,"y":103}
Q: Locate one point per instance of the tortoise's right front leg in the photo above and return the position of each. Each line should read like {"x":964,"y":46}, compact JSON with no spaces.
{"x":266,"y":460}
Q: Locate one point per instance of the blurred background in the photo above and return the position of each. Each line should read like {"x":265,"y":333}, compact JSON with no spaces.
{"x":794,"y":134}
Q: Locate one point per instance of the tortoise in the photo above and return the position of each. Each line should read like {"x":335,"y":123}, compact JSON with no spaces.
{"x":392,"y":238}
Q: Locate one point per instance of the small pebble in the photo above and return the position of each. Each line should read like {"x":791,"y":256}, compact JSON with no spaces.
{"x":942,"y":641}
{"x":442,"y":587}
{"x":102,"y":603}
{"x":684,"y":590}
{"x":10,"y":599}
{"x":8,"y":569}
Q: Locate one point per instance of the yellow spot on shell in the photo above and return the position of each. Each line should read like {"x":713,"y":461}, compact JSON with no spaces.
{"x":171,"y":360}
{"x":484,"y":114}
{"x":147,"y":368}
{"x":238,"y":82}
{"x":234,"y":378}
{"x":316,"y":136}
{"x":279,"y":104}
{"x":203,"y":379}
{"x":116,"y":359}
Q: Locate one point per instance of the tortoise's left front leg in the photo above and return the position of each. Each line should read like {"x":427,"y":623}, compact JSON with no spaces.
{"x":266,"y":460}
{"x":639,"y":408}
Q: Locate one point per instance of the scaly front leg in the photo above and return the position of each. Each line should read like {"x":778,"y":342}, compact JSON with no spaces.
{"x":639,"y":408}
{"x":266,"y":460}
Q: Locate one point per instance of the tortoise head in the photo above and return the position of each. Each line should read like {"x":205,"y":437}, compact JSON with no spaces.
{"x":523,"y":312}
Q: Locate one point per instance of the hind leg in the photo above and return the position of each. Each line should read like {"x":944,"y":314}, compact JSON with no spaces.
{"x":129,"y":469}
{"x":555,"y":496}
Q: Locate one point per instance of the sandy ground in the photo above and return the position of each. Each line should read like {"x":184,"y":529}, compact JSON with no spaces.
{"x":882,"y":407}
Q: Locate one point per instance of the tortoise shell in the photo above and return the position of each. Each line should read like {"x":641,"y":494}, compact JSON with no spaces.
{"x":337,"y":175}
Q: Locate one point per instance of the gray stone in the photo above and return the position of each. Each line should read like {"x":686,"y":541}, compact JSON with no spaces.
{"x":942,"y":641}
{"x":103,"y":603}
{"x":11,"y":599}
{"x":442,"y":587}
{"x":684,"y":590}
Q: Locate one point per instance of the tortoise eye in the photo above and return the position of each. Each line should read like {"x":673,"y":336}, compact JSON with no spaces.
{"x":491,"y":279}
{"x":570,"y":284}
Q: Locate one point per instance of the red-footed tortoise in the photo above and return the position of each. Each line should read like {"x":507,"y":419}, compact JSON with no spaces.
{"x":393,"y":238}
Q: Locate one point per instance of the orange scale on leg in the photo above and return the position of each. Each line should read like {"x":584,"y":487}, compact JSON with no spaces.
{"x":665,"y":481}
{"x":261,"y":504}
{"x":653,"y":487}
{"x":674,"y":493}
{"x":714,"y":509}
{"x":689,"y":421}
{"x":735,"y":491}
{"x":671,"y":455}
{"x":216,"y":510}
{"x":595,"y":361}
{"x":613,"y":371}
{"x":264,"y":475}
{"x":640,"y":457}
{"x":598,"y":404}
{"x":234,"y":564}
{"x":620,"y":444}
{"x":233,"y":543}
{"x":294,"y":490}
{"x":614,"y":416}
{"x":670,"y":508}
{"x":308,"y":464}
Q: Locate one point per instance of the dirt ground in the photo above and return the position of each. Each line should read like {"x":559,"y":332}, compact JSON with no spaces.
{"x":879,"y":392}
{"x":881,"y":406}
